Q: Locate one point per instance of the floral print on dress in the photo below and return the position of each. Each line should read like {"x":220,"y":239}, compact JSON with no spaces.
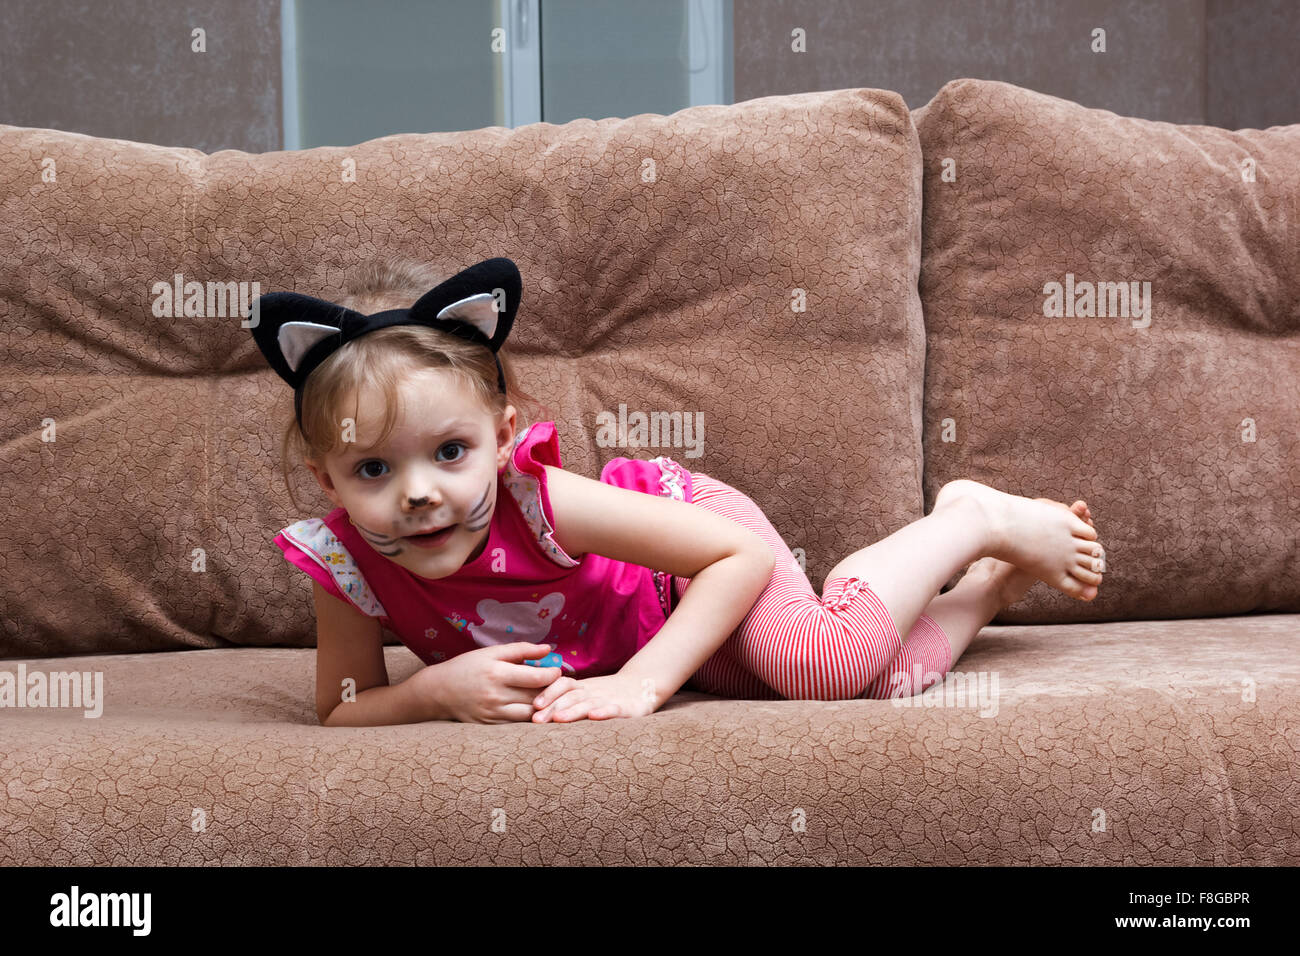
{"x":322,"y":545}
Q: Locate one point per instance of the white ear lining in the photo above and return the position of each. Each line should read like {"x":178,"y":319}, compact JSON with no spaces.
{"x":295,"y":338}
{"x":479,"y":310}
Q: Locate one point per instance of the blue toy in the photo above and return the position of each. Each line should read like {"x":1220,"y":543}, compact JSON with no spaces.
{"x":550,"y":660}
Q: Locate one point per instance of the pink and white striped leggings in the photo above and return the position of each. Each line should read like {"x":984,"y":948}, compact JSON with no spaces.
{"x":794,"y":645}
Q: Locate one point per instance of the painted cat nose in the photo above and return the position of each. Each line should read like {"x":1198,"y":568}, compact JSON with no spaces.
{"x":415,"y":506}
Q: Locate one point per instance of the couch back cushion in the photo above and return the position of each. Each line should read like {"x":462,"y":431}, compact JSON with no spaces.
{"x":1112,"y":312}
{"x":753,"y":267}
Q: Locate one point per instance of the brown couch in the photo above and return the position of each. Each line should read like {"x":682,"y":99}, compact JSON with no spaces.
{"x":857,"y":299}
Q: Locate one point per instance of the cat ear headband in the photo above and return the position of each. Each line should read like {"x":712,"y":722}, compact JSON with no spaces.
{"x":296,"y":333}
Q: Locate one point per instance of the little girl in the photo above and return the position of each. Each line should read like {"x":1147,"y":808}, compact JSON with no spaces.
{"x":536,"y":594}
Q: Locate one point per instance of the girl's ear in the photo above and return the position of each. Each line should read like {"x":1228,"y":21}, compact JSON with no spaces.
{"x":322,"y":476}
{"x":506,"y":434}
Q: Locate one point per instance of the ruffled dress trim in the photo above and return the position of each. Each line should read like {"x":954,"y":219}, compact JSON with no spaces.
{"x":314,"y":537}
{"x":524,"y":475}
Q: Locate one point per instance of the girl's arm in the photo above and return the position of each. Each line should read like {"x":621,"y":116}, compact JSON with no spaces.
{"x":351,"y":645}
{"x":729,"y":566}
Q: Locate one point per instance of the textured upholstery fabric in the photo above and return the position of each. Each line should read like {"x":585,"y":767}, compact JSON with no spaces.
{"x":1129,"y":742}
{"x":1139,"y":743}
{"x":753,"y":264}
{"x":1180,"y":428}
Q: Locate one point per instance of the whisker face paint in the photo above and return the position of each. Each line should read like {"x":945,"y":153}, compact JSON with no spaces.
{"x":385,"y":544}
{"x":481,"y":514}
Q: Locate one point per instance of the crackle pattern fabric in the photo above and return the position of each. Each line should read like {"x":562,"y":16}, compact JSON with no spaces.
{"x":662,"y":257}
{"x":1125,"y":743}
{"x":1178,"y":423}
{"x":749,"y":270}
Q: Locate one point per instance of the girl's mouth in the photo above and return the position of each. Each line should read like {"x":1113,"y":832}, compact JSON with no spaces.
{"x":434,"y":540}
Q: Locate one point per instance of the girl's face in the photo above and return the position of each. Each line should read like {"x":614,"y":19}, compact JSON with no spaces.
{"x":438,"y":470}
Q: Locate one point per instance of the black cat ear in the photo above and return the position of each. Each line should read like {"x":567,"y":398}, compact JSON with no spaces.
{"x":289,"y":325}
{"x":486,"y":296}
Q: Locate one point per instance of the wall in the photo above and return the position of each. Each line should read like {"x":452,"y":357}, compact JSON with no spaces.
{"x":1228,"y":63}
{"x":126,"y":70}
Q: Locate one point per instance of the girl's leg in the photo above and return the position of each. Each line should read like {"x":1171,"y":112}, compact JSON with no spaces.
{"x":959,"y":615}
{"x":987,"y":587}
{"x":795,"y":645}
{"x":1044,"y":538}
{"x":967,"y":608}
{"x":948,"y":625}
{"x":847,"y":644}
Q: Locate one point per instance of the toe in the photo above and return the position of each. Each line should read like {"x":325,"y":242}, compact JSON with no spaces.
{"x":1090,"y":548}
{"x":1090,"y":554}
{"x":1072,"y":586}
{"x":1086,"y":574}
{"x":1080,"y":508}
{"x":1076,"y":588}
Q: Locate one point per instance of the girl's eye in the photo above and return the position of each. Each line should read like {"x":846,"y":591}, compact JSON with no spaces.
{"x":361,"y":468}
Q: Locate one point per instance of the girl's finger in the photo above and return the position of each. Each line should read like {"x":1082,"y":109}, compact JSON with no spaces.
{"x":556,"y":689}
{"x":575,"y":711}
{"x":541,"y":699}
{"x":563,"y":700}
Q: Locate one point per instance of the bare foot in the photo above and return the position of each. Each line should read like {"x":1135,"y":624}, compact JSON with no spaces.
{"x":1008,"y":583}
{"x":1047,"y":539}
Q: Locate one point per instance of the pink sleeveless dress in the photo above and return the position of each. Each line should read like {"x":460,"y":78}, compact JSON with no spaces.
{"x":598,"y":611}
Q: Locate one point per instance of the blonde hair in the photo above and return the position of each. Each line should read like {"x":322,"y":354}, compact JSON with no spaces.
{"x":387,"y":356}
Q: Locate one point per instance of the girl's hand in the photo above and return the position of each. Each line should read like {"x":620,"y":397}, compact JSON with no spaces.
{"x":488,"y":685}
{"x":614,"y":695}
